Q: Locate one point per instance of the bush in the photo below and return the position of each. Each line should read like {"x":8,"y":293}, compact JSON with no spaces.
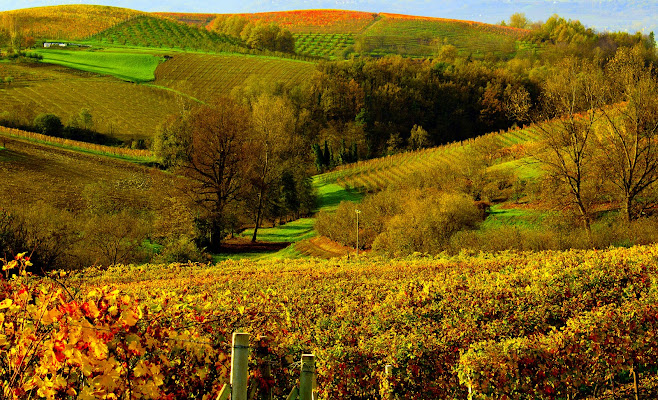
{"x":49,"y":124}
{"x":427,"y":223}
{"x":180,"y":250}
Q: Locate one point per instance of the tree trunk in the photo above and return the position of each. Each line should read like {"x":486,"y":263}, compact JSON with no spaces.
{"x":259,"y":211}
{"x":628,"y":208}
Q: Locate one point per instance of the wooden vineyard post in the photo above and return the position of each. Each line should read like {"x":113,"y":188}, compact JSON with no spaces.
{"x":307,"y":376}
{"x":239,"y":366}
{"x":387,"y":392}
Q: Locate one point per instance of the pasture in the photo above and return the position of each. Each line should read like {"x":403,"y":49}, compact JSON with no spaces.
{"x":129,"y":66}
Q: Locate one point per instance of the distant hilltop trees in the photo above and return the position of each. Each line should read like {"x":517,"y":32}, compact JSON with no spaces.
{"x":257,"y":35}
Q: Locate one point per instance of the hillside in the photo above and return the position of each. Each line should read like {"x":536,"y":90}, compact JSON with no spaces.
{"x":68,"y":22}
{"x":118,"y":108}
{"x":205,"y":76}
{"x":147,"y":31}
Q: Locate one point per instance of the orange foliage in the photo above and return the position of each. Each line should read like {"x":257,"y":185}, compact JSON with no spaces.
{"x":315,"y":21}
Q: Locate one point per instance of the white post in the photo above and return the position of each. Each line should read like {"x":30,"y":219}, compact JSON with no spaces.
{"x":306,"y":377}
{"x":239,"y":366}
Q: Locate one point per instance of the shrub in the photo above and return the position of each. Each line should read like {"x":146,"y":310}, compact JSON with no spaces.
{"x":180,"y":250}
{"x":427,"y":223}
{"x":49,"y":124}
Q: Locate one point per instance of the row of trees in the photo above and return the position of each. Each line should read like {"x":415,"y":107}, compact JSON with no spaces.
{"x":12,"y":35}
{"x":241,"y":160}
{"x":257,"y":35}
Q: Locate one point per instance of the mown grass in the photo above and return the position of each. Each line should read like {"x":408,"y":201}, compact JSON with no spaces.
{"x":134,"y":67}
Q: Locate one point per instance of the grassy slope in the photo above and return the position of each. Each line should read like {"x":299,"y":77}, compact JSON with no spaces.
{"x":421,"y":36}
{"x":134,"y":67}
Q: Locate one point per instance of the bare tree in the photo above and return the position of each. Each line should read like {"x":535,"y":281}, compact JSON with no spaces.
{"x":630,"y":130}
{"x":569,"y":105}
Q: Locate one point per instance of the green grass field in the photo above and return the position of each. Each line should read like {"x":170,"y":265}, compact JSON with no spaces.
{"x":134,"y":67}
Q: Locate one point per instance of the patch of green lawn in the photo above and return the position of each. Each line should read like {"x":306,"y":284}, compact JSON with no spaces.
{"x":134,"y":67}
{"x":520,"y":217}
{"x":294,"y":231}
{"x":330,"y":195}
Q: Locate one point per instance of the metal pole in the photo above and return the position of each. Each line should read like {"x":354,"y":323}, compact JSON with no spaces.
{"x":357,"y":231}
{"x":306,"y":377}
{"x":239,"y":366}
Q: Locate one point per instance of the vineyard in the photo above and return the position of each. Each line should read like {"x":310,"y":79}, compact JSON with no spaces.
{"x":146,"y":31}
{"x":316,"y":21}
{"x":374,"y":175}
{"x":69,"y":22}
{"x":421,"y":36}
{"x":119,"y":109}
{"x":554,"y":324}
{"x":329,"y":45}
{"x":207,"y":76}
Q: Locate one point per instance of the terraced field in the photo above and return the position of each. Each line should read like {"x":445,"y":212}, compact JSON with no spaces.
{"x":122,"y":109}
{"x":147,"y":31}
{"x":69,"y":22}
{"x":206,"y":76}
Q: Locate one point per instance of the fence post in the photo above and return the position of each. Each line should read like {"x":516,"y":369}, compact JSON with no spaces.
{"x":239,"y":366}
{"x":388,"y":375}
{"x":306,"y":377}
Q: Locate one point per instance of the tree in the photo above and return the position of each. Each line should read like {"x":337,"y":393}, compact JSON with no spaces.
{"x":49,"y":124}
{"x":419,"y":138}
{"x":273,"y":134}
{"x":567,"y":138}
{"x":210,"y":146}
{"x":629,"y":133}
{"x":519,"y":20}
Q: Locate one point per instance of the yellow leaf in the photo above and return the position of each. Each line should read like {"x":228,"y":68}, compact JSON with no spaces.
{"x":6,"y":303}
